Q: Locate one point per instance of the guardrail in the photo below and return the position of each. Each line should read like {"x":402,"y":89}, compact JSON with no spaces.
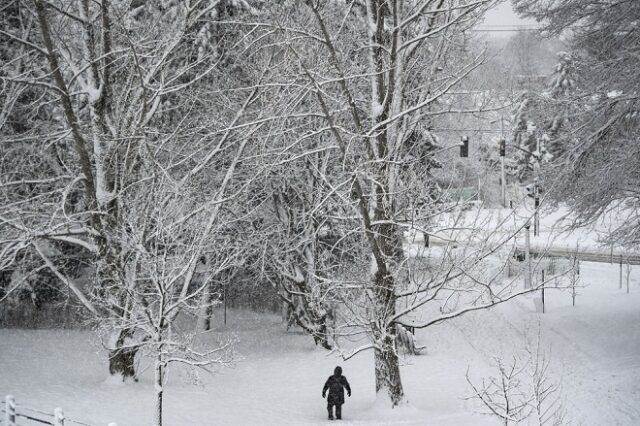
{"x":584,"y":255}
{"x":11,"y":414}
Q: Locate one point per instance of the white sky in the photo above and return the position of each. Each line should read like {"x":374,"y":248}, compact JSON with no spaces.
{"x":503,"y":14}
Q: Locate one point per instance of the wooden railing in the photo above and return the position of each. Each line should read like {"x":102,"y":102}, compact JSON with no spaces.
{"x":12,"y":414}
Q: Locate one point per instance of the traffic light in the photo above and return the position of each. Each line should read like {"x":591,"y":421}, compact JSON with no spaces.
{"x":502,"y":145}
{"x":464,"y":147}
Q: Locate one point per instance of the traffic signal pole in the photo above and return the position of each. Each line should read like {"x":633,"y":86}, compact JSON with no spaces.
{"x":536,"y":205}
{"x":504,"y":184}
{"x":502,"y":146}
{"x":527,"y":257}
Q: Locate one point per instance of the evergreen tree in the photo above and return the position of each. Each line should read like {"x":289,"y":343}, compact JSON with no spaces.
{"x":560,"y":91}
{"x":539,"y":118}
{"x":596,"y":169}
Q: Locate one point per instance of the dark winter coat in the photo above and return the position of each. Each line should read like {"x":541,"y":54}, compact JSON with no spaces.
{"x":336,"y":385}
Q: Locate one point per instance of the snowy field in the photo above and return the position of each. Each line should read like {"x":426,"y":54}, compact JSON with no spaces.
{"x":594,"y":353}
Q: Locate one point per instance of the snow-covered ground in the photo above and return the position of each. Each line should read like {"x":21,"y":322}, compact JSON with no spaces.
{"x":594,"y":351}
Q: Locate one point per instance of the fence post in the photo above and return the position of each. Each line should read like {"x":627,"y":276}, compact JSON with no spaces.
{"x":628,"y":275}
{"x":612,"y":254}
{"x":620,"y":271}
{"x":542,"y":290}
{"x":527,"y":257}
{"x":10,"y":411}
{"x":58,"y":417}
{"x":573,"y":281}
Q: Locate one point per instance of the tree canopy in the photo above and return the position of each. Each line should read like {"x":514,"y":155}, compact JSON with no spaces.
{"x":599,"y":171}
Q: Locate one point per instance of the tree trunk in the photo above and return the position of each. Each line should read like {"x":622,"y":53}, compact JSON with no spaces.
{"x":158,"y":382}
{"x":314,"y":323}
{"x":121,"y":361}
{"x":388,"y":381}
{"x":387,"y":366}
{"x":207,"y":312}
{"x":321,"y":336}
{"x":121,"y":358}
{"x":300,"y":310}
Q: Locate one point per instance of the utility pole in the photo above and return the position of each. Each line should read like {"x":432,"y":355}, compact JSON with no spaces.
{"x":527,"y":257}
{"x":502,"y":144}
{"x":536,"y":189}
{"x":536,"y":205}
{"x":502,"y":179}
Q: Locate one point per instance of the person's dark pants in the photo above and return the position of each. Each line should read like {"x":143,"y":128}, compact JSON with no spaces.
{"x":338,"y":410}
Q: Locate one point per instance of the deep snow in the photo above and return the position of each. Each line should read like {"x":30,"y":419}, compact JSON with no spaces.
{"x":595,"y":356}
{"x":594,"y":350}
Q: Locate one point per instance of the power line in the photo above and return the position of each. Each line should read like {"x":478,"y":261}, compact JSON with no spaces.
{"x":470,"y":130}
{"x":509,"y":25}
{"x":503,"y":30}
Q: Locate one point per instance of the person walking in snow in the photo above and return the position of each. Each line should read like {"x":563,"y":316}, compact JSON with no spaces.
{"x":336,"y":385}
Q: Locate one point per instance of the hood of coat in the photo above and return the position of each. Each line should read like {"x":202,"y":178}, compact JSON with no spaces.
{"x":337,"y":371}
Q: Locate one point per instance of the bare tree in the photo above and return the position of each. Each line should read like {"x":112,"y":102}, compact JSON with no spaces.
{"x":373,"y":72}
{"x":173,"y":261}
{"x":115,"y":78}
{"x":305,"y":252}
{"x":523,"y":391}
